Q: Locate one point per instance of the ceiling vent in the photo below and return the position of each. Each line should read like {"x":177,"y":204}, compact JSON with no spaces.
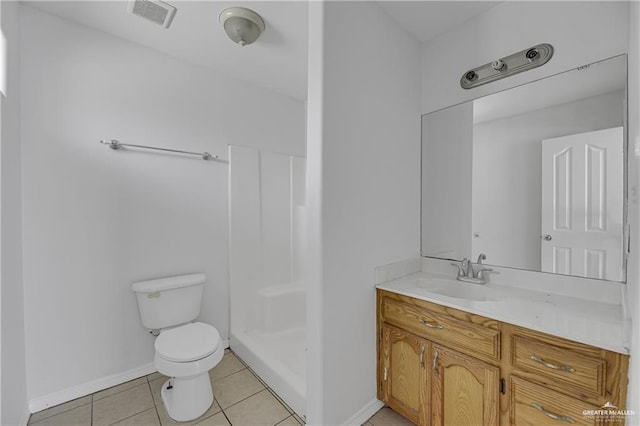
{"x":156,"y":11}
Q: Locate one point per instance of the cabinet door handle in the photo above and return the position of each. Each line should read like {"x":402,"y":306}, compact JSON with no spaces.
{"x":422,"y":358}
{"x":431,"y":324}
{"x":435,"y":364}
{"x":553,"y":416}
{"x":566,"y":368}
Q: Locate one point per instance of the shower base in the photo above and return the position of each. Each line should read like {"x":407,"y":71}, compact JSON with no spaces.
{"x":279,"y":359}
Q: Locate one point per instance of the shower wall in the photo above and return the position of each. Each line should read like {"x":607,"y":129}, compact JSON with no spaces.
{"x":266,"y":248}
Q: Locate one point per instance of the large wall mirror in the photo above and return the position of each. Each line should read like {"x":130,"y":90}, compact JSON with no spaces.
{"x":534,"y":177}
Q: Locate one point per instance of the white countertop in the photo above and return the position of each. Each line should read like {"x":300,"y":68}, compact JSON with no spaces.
{"x":593,"y":322}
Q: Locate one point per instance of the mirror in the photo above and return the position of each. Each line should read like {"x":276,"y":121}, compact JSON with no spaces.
{"x":534,"y":176}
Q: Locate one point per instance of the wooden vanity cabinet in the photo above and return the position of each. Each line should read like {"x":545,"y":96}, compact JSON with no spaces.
{"x":435,"y":368}
{"x":404,"y":382}
{"x":464,"y":391}
{"x":443,"y":366}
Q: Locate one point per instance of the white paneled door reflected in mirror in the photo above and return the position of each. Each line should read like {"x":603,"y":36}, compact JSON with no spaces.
{"x":533,"y":176}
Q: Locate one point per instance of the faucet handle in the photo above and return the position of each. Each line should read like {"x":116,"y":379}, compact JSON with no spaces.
{"x":480,"y":274}
{"x":481,"y":257}
{"x":460,"y":267}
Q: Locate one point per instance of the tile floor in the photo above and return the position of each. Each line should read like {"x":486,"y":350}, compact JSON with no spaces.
{"x":387,"y":417}
{"x":241,"y":399}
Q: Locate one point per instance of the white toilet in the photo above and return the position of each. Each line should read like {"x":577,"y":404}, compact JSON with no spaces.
{"x":185,"y":350}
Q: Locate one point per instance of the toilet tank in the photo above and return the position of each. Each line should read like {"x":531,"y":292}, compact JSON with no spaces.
{"x":170,"y":301}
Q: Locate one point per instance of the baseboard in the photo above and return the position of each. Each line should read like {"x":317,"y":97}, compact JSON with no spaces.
{"x":69,"y":394}
{"x":43,"y":402}
{"x":365,"y":413}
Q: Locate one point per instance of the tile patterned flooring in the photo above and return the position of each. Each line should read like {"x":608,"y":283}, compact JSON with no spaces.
{"x":241,"y":399}
{"x":387,"y":417}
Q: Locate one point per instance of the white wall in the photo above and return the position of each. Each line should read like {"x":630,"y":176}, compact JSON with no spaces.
{"x":364,"y":176}
{"x":95,"y":220}
{"x":314,"y":190}
{"x":14,"y":387}
{"x":507,"y":212}
{"x":580,"y":32}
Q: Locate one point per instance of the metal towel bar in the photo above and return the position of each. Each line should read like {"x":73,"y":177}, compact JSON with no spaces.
{"x":114,"y":144}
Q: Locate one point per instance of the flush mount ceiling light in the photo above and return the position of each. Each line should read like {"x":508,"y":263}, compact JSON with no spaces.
{"x":243,"y":26}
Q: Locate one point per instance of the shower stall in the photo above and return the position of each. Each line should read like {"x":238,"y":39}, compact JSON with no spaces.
{"x":266,"y":249}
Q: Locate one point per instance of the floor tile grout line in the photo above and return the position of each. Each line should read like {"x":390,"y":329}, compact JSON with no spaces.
{"x":239,"y":359}
{"x":226,"y":417}
{"x":159,"y":378}
{"x":92,"y":400}
{"x":128,"y":417}
{"x":158,"y":416}
{"x":271,"y":391}
{"x":116,"y":393}
{"x":280,"y":400}
{"x":155,"y":407}
{"x":202,"y":419}
{"x":257,"y":377}
{"x":239,"y":371}
{"x":135,"y":414}
{"x":29,"y":423}
{"x":286,"y":418}
{"x":302,"y":420}
{"x":224,"y":377}
{"x":243,"y":399}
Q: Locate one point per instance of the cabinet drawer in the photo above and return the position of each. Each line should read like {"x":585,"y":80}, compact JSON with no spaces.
{"x":536,"y":405}
{"x":440,"y":328}
{"x":565,"y":368}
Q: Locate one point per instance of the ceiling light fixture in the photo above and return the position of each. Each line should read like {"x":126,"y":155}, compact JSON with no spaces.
{"x":243,"y":26}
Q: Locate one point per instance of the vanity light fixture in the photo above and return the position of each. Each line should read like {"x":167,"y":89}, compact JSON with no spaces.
{"x":513,"y":64}
{"x":243,"y":26}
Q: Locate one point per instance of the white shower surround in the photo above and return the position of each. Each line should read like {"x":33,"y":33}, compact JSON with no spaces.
{"x":267,"y":219}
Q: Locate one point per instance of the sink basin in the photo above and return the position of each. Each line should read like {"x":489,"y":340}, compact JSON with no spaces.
{"x":466,"y":293}
{"x":457,"y":290}
{"x":435,"y":283}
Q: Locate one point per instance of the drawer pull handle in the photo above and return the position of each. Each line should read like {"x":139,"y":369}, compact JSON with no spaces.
{"x":422,"y":358}
{"x":553,"y":416}
{"x":435,"y":364}
{"x":566,"y":368}
{"x":431,"y":324}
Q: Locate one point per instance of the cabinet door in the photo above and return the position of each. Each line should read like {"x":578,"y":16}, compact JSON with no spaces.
{"x":403,"y":362}
{"x":465,"y":391}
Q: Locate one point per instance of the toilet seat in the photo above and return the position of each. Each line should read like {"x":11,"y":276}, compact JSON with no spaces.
{"x":187,"y":343}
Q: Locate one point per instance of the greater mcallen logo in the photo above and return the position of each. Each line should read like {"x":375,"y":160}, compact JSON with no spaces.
{"x":608,"y":413}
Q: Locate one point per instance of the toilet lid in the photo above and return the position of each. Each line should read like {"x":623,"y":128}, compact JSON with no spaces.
{"x":188,"y":342}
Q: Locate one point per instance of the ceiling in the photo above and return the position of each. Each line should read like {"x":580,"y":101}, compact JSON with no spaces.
{"x":278,"y":60}
{"x":426,"y":20}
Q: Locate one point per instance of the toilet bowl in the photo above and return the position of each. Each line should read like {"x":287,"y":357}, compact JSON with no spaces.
{"x":184,"y":350}
{"x":186,"y":354}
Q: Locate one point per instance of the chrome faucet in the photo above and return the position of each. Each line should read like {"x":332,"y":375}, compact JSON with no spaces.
{"x":467,"y":273}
